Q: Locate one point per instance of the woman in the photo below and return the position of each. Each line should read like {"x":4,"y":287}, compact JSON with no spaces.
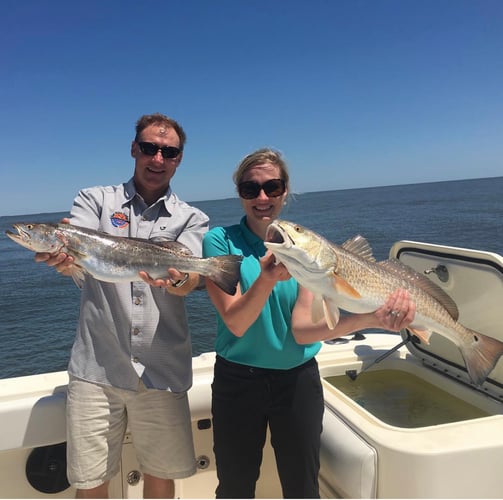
{"x":265,"y":371}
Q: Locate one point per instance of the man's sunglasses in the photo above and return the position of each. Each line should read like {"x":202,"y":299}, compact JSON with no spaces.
{"x":150,"y":149}
{"x":251,"y":189}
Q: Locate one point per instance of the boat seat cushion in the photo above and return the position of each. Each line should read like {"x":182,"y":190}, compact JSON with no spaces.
{"x":348,"y":463}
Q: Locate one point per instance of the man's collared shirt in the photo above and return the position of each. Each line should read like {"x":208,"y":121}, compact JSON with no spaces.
{"x":128,"y":331}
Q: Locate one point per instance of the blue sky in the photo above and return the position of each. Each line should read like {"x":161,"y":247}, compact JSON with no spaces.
{"x":355,"y":93}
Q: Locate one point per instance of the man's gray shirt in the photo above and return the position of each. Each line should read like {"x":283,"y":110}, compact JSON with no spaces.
{"x":128,"y":331}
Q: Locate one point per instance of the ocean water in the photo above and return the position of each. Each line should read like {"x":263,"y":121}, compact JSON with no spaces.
{"x":39,"y":307}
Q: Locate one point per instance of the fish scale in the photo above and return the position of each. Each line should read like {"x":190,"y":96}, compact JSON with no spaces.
{"x":376,"y":285}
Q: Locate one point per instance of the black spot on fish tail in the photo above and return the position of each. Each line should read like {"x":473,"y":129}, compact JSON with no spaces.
{"x":481,"y":356}
{"x":226,"y":272}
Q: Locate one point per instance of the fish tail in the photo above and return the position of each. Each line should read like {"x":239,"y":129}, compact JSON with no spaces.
{"x":481,"y":356}
{"x":225,"y":272}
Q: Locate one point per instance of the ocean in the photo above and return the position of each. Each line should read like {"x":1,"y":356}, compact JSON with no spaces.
{"x":39,"y":307}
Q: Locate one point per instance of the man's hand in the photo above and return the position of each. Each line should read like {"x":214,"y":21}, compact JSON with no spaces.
{"x":62,"y":262}
{"x":178,"y":283}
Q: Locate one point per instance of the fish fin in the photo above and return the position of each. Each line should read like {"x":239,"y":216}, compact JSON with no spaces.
{"x":481,"y":356}
{"x":324,"y":308}
{"x":225,"y":272}
{"x":344,"y":288}
{"x":424,"y":283}
{"x":331,"y":314}
{"x":423,"y":335}
{"x":78,"y":276}
{"x":359,"y":246}
{"x":317,"y":310}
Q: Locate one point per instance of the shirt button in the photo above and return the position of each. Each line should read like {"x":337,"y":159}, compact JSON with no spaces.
{"x":136,"y":331}
{"x":137,"y":301}
{"x":136,"y":359}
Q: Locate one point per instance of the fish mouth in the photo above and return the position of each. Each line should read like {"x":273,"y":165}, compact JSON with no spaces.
{"x":276,"y":235}
{"x":20,"y":235}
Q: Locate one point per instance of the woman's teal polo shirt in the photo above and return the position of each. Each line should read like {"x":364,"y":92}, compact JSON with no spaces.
{"x":268,"y":342}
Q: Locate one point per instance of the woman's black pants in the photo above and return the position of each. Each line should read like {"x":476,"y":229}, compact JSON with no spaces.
{"x":245,"y":400}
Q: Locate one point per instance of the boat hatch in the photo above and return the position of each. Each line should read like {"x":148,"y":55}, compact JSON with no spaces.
{"x":474,"y":280}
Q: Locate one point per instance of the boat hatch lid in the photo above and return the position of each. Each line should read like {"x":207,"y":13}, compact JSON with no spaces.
{"x":474,"y":280}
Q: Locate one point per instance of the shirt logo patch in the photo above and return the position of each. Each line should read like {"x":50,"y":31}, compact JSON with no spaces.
{"x":119,"y":219}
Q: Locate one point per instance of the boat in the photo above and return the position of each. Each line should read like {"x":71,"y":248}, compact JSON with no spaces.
{"x":402,"y":419}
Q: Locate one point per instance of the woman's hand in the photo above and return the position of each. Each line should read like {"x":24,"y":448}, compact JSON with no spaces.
{"x":398,"y":312}
{"x":272,"y":271}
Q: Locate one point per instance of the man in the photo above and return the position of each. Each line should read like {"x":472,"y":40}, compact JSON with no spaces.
{"x":131,"y":360}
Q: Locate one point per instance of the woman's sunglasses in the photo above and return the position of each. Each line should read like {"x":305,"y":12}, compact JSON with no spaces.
{"x":251,"y":189}
{"x":150,"y":149}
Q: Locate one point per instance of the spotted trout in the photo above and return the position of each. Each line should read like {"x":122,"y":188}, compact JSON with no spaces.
{"x":117,"y":259}
{"x":348,"y":277}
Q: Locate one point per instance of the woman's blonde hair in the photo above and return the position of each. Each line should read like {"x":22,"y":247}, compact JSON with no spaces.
{"x":259,"y":157}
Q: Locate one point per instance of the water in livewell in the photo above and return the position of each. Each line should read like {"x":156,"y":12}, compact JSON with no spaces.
{"x":402,"y":399}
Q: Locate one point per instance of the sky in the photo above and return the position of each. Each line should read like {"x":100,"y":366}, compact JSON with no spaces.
{"x":354,"y":93}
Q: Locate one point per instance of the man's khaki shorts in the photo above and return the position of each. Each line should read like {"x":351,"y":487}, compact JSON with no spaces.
{"x":97,"y":418}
